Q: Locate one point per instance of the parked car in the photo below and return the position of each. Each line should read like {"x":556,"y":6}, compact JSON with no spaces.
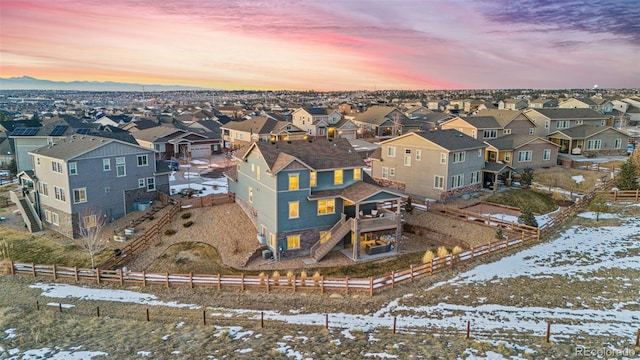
{"x":173,"y":165}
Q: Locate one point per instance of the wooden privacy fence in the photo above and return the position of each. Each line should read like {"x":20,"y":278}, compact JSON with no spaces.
{"x":587,"y":165}
{"x":138,"y":243}
{"x":268,"y":283}
{"x":206,"y":201}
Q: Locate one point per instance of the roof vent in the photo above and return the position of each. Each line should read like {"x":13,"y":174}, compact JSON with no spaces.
{"x":289,"y":142}
{"x":335,"y":145}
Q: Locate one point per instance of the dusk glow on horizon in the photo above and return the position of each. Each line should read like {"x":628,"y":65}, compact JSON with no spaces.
{"x":325,"y":45}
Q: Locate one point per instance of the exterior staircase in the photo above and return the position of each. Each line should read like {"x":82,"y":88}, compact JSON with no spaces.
{"x":28,"y":213}
{"x":338,"y":231}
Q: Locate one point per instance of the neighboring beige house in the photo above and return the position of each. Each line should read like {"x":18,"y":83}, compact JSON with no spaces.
{"x":543,"y":103}
{"x":594,"y":103}
{"x":522,"y":151}
{"x":317,"y":122}
{"x":512,"y":104}
{"x":385,"y":122}
{"x":551,"y":120}
{"x":259,"y":128}
{"x":589,"y":140}
{"x":433,"y":164}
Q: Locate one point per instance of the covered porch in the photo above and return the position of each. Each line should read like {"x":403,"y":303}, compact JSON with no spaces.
{"x":371,"y":215}
{"x":492,"y":172}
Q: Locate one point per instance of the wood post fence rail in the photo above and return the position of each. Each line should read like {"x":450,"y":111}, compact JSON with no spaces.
{"x":200,"y":316}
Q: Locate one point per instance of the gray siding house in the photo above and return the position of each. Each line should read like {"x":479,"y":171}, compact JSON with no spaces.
{"x":435,"y":164}
{"x":308,"y":197}
{"x":91,"y":176}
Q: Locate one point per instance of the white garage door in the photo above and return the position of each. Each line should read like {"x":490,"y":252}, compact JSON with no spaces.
{"x":200,"y":151}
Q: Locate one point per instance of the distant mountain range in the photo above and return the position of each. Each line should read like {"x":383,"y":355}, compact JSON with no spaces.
{"x":29,"y":83}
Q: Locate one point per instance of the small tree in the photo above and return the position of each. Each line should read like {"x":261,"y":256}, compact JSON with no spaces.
{"x":526,"y":217}
{"x":628,"y":176}
{"x":90,"y":224}
{"x":499,"y":233}
{"x":598,"y":205}
{"x":13,"y":167}
{"x":527,"y":177}
{"x":408,"y":206}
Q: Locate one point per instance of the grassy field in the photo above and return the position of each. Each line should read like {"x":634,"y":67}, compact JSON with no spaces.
{"x":186,"y":257}
{"x":538,"y":202}
{"x":21,"y":246}
{"x":562,"y":177}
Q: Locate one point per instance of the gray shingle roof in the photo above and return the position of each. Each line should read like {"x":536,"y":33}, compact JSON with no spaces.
{"x":451,"y":139}
{"x":571,"y":114}
{"x":319,"y":154}
{"x":584,"y":131}
{"x":510,"y":142}
{"x":482,"y":122}
{"x":72,"y":146}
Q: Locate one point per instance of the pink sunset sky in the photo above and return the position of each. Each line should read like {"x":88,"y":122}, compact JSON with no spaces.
{"x":325,"y":45}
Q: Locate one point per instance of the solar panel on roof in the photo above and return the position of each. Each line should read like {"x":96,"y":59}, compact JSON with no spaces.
{"x":58,"y":130}
{"x":83,"y":131}
{"x":24,"y":131}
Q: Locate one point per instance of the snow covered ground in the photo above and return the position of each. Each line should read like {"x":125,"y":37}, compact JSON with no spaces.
{"x":578,"y":255}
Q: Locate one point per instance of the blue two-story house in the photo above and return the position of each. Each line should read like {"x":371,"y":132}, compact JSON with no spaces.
{"x":308,"y":197}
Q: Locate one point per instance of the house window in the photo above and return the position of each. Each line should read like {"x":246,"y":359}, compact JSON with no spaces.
{"x":594,"y":144}
{"x":457,"y":181}
{"x":106,"y":164}
{"x":438,"y":182}
{"x":272,"y":240}
{"x":524,"y":156}
{"x":79,"y":195}
{"x":443,"y":158}
{"x":407,"y":160}
{"x":506,"y":131}
{"x":43,"y":189}
{"x":385,"y":172}
{"x":151,"y":184}
{"x":617,"y":144}
{"x":324,"y":236}
{"x":546,"y":124}
{"x":564,"y":124}
{"x":357,"y":174}
{"x":337,"y":177}
{"x":253,"y":167}
{"x":479,"y":152}
{"x":89,"y":221}
{"x":38,"y":161}
{"x":293,"y":242}
{"x":392,"y":171}
{"x":294,"y":181}
{"x":47,"y":216}
{"x":121,"y":167}
{"x":603,"y":122}
{"x":507,"y":157}
{"x":326,"y":206}
{"x":475,"y":177}
{"x":59,"y":193}
{"x":490,"y":134}
{"x":142,"y":160}
{"x":313,"y":178}
{"x":391,"y":151}
{"x":418,"y":155}
{"x":294,"y":209}
{"x":250,"y":195}
{"x":546,"y":154}
{"x":73,"y":168}
{"x":56,"y":167}
{"x":258,"y":172}
{"x":458,"y":157}
{"x":141,"y":183}
{"x":474,"y":133}
{"x":55,"y":219}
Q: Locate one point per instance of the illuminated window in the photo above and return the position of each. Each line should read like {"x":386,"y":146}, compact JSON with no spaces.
{"x":293,"y":242}
{"x":313,"y":178}
{"x":258,"y":172}
{"x":357,"y":174}
{"x":324,"y":236}
{"x":337,"y":177}
{"x":89,"y":221}
{"x":326,"y":206}
{"x":293,"y":181}
{"x":294,"y":212}
{"x":272,"y":240}
{"x":79,"y":195}
{"x":250,"y":195}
